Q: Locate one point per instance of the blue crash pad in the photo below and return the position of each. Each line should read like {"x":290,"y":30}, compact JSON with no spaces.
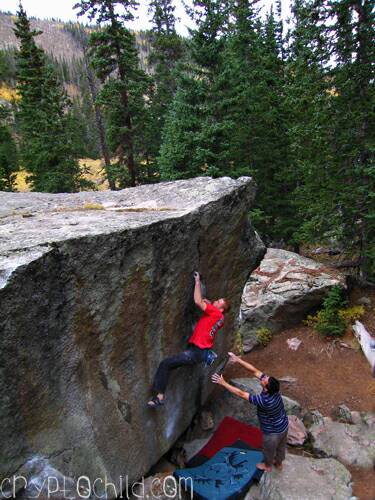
{"x":226,"y":476}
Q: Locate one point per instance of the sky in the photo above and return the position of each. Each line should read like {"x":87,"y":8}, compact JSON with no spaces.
{"x":63,"y":9}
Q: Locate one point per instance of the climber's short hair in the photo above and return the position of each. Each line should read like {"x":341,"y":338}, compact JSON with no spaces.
{"x":227,"y":305}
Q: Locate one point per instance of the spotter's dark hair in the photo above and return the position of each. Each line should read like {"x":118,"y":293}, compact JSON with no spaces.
{"x":273,"y":386}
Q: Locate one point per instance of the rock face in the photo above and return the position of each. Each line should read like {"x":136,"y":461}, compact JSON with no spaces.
{"x":95,"y":289}
{"x":281,"y":291}
{"x":307,"y":479}
{"x":351,"y":444}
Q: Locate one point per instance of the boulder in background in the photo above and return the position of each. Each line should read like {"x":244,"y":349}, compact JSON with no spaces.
{"x":281,"y":291}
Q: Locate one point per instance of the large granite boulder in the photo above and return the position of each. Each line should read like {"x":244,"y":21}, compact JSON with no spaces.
{"x":352,"y":444}
{"x":227,"y":404}
{"x":281,"y":291}
{"x":95,"y":289}
{"x":307,"y":479}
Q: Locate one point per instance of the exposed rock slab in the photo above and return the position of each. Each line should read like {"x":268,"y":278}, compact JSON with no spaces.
{"x":96,"y":288}
{"x":351,"y":444}
{"x":307,"y":479}
{"x":191,"y":448}
{"x":281,"y":291}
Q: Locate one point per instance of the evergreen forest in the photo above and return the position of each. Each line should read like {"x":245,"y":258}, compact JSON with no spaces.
{"x":245,"y":94}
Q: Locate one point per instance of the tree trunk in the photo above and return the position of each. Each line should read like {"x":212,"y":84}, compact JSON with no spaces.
{"x":99,"y":125}
{"x":363,"y":59}
{"x":128,"y":139}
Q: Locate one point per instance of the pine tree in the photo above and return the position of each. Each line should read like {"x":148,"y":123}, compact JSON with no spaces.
{"x":308,"y":99}
{"x":46,"y":147}
{"x":333,"y":140}
{"x":229,"y":115}
{"x":163,"y":17}
{"x":354,"y":125}
{"x":196,"y":132}
{"x":253,"y":101}
{"x":114,"y":58}
{"x":8,"y":154}
{"x":167,"y":51}
{"x":90,"y":106}
{"x":269,"y":122}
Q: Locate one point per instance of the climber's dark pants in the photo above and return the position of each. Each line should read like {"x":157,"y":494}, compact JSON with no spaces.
{"x":193,"y":355}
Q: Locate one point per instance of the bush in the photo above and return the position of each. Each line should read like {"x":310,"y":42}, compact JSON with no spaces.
{"x":334,"y":318}
{"x":331,"y":325}
{"x":328,"y":321}
{"x":264,"y":336}
{"x":352,"y":314}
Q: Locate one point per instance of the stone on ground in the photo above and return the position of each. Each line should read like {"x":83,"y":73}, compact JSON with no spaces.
{"x":353,"y":445}
{"x":305,"y":478}
{"x":312,"y":417}
{"x":343,"y":414}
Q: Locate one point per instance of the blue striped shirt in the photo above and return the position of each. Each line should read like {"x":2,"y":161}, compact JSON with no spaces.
{"x":271,"y":412}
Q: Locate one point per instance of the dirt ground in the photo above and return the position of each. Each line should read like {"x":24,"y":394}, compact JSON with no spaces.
{"x":327,"y":373}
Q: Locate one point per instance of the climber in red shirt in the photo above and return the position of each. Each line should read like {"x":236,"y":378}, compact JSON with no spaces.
{"x":200,"y":342}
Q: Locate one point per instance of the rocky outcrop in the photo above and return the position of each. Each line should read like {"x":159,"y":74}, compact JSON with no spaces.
{"x":229,"y":405}
{"x":307,"y":479}
{"x":95,"y":289}
{"x":191,"y":448}
{"x":352,"y":444}
{"x":313,"y":417}
{"x":281,"y":291}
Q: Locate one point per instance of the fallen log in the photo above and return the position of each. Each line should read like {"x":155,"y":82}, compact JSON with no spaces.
{"x":367,"y":343}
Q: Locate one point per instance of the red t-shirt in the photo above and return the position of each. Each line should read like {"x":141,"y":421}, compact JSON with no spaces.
{"x":206,"y":328}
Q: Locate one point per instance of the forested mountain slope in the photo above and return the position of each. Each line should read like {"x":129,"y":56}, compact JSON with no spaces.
{"x":58,"y":38}
{"x":63,"y":43}
{"x":290,"y":104}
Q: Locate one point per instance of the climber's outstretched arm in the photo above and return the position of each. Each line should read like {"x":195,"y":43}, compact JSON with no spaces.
{"x":198,"y":292}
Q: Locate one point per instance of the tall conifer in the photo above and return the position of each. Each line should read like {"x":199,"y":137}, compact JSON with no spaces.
{"x":333,"y":133}
{"x":114,"y":58}
{"x":47,"y":149}
{"x":167,"y":50}
{"x":196,"y":132}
